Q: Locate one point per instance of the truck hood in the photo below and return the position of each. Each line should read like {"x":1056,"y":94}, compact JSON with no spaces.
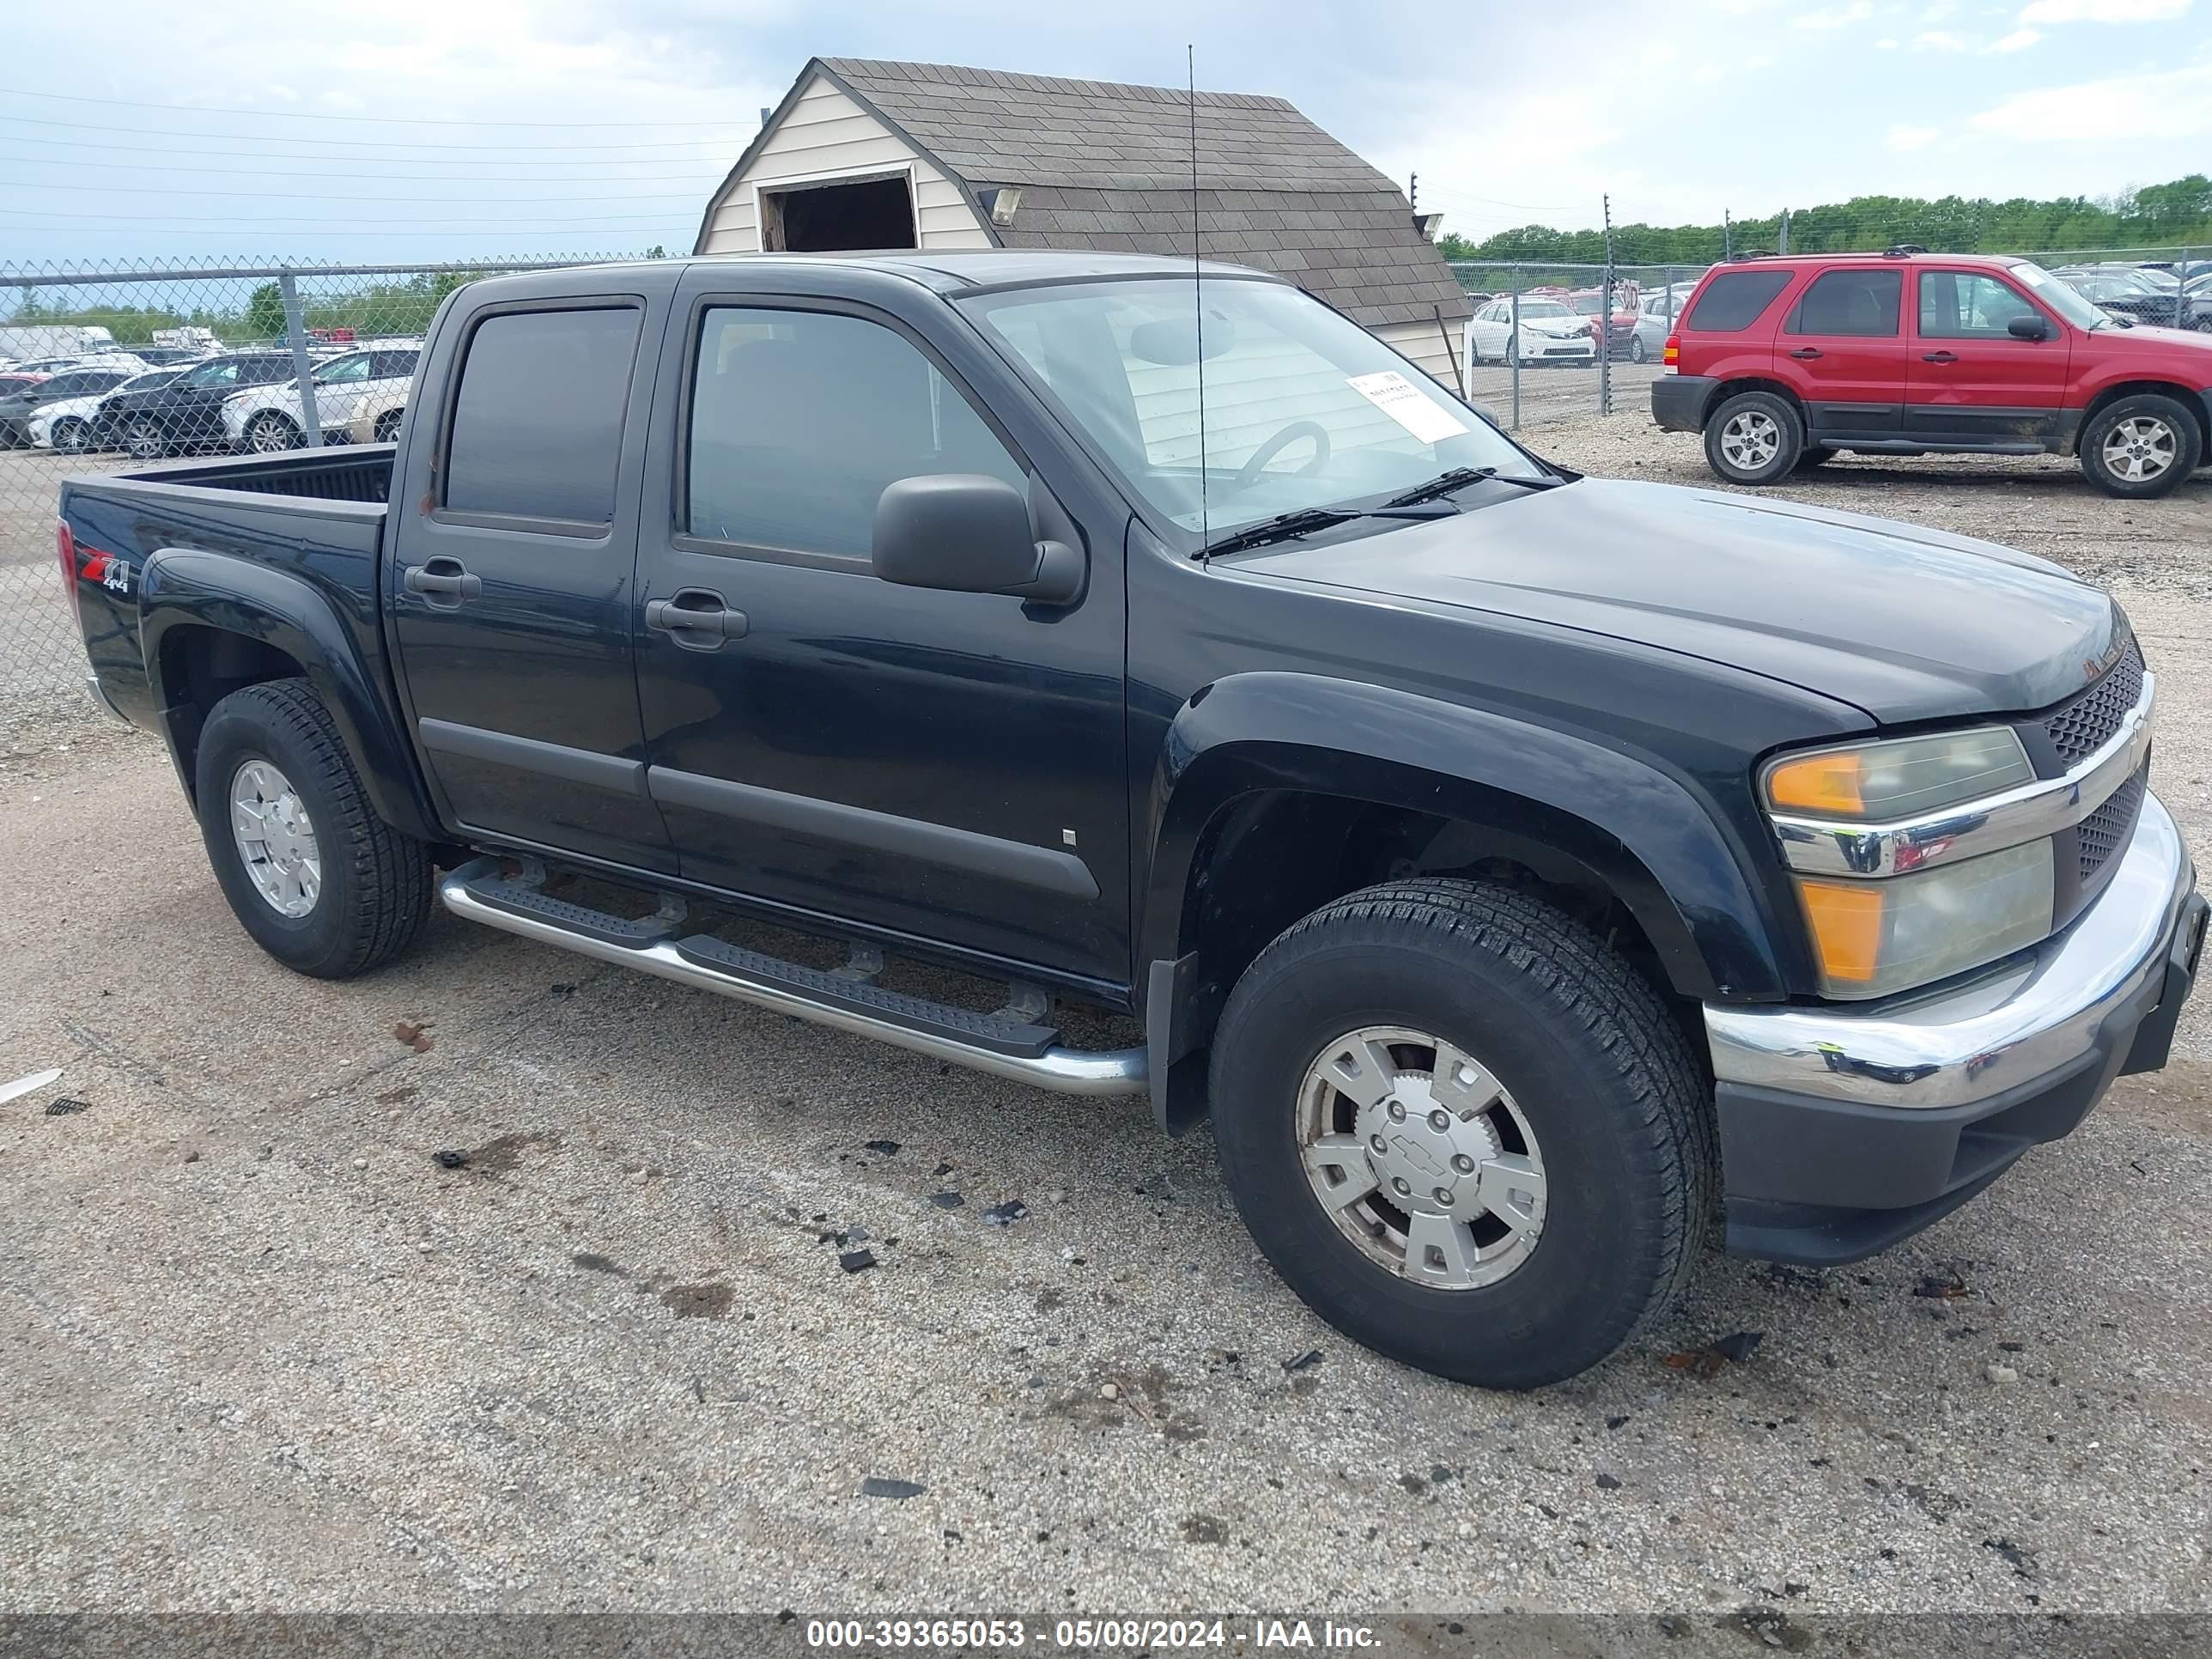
{"x":1905,"y":623}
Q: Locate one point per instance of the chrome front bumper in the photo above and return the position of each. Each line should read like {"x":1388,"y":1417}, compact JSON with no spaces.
{"x":2022,"y":1022}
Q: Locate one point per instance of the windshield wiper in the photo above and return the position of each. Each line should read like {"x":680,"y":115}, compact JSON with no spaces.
{"x":1461,"y":477}
{"x":1285,"y":527}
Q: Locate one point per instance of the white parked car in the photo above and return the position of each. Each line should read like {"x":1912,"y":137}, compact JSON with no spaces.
{"x":267,"y":418}
{"x":74,"y":425}
{"x":1551,"y":332}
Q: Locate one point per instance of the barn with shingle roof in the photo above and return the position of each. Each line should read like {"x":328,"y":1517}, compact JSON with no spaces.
{"x":862,"y":154}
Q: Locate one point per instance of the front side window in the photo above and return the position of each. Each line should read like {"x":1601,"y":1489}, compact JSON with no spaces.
{"x":801,"y":419}
{"x":1852,"y":301}
{"x":343,"y":371}
{"x":215,"y":374}
{"x":538,"y":421}
{"x":1301,"y":408}
{"x":1735,"y":299}
{"x":393,"y":365}
{"x":1959,"y":305}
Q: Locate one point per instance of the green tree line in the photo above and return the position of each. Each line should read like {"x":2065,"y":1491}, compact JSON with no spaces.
{"x":2168,"y":216}
{"x":404,"y":306}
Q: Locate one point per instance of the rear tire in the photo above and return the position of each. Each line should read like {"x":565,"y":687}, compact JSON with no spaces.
{"x":2139,"y":446}
{"x":1753,"y":438}
{"x":1637,"y":353}
{"x":1815,"y":455}
{"x":387,"y":427}
{"x":1585,"y":1065}
{"x":70,"y":437}
{"x":360,"y":893}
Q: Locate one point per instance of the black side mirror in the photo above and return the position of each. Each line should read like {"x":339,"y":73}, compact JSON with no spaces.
{"x":966,"y":532}
{"x":2028,"y":328}
{"x":1488,"y":414}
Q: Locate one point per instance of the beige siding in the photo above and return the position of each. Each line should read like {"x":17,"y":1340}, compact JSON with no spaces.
{"x":1425,"y":344}
{"x":825,"y":132}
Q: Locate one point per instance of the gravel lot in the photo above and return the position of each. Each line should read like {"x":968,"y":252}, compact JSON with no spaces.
{"x":265,"y":1351}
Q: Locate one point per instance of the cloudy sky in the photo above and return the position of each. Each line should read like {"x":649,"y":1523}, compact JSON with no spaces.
{"x":430,"y":128}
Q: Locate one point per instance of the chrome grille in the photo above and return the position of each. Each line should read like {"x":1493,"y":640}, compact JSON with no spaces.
{"x":2085,"y":725}
{"x":2106,"y":830}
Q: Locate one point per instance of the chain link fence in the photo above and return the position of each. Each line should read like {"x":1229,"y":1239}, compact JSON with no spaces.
{"x":105,"y":369}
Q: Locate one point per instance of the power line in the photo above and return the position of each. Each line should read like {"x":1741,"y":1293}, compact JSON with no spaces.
{"x":716,"y":172}
{"x":311,"y":115}
{"x":158,"y":220}
{"x":738,"y":138}
{"x":262,"y":152}
{"x":323,"y":196}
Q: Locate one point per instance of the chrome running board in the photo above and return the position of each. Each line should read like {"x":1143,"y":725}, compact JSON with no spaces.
{"x":1010,"y":1043}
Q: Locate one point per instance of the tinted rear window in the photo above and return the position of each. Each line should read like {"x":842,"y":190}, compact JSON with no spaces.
{"x":538,"y":422}
{"x":1850,"y":302}
{"x":1734,"y":300}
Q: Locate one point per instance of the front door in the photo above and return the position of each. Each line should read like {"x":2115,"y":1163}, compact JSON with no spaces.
{"x":944,"y":765}
{"x":1842,"y":350}
{"x":1972,"y":380}
{"x":511,"y":579}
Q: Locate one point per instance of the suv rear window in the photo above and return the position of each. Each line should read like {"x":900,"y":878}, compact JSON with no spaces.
{"x":1733,"y":301}
{"x":538,"y":421}
{"x":1860,"y":301}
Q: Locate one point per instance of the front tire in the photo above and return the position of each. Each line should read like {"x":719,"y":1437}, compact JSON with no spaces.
{"x":1637,"y":352}
{"x":2140,"y":447}
{"x":145,"y":440}
{"x":315,"y":878}
{"x":1467,"y":1133}
{"x":1753,"y":438}
{"x":71,"y":437}
{"x":270,"y":434}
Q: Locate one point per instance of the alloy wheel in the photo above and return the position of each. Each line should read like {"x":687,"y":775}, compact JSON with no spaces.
{"x":2140,"y":448}
{"x":1422,"y":1157}
{"x":276,"y":839}
{"x":1750,"y":439}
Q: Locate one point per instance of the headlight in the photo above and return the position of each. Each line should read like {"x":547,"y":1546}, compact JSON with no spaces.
{"x":1871,"y":937}
{"x":1900,"y":777}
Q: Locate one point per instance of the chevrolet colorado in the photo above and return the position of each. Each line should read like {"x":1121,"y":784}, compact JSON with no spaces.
{"x":1519,"y":871}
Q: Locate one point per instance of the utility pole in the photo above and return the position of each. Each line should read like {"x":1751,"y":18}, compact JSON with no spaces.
{"x":1727,"y":236}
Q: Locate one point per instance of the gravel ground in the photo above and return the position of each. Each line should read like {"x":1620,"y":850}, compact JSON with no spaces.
{"x":266,"y":1350}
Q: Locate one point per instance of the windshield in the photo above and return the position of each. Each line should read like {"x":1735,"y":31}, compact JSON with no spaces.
{"x":1544,"y":308}
{"x":1302,"y":409}
{"x":2061,"y":296}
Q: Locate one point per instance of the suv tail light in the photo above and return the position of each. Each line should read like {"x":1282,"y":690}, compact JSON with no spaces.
{"x":1672,"y":355}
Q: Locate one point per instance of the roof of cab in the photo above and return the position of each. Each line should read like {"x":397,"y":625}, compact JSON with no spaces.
{"x":955,"y":271}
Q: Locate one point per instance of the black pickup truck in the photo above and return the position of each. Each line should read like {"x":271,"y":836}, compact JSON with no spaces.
{"x":1519,"y":870}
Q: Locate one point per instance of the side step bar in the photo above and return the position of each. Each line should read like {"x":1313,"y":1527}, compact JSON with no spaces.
{"x":1004,"y":1044}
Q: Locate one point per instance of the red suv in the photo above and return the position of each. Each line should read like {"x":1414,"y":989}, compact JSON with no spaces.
{"x":1781,"y":363}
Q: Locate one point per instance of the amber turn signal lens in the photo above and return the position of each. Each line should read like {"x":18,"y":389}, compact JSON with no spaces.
{"x":1818,"y":783}
{"x":1673,"y":353}
{"x":1846,"y":921}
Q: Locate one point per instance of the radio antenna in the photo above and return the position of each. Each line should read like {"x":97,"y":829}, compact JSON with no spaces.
{"x":1198,"y":299}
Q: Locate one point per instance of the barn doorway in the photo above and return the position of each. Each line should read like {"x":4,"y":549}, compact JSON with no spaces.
{"x":840,"y":217}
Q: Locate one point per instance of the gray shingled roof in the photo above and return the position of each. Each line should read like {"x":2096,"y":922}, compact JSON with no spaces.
{"x":1106,"y":166}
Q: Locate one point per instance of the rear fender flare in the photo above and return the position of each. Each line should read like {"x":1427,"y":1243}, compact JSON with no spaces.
{"x":190,"y":587}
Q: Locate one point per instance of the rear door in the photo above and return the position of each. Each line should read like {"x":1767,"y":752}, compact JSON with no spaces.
{"x":511,"y":574}
{"x":1971,"y":381}
{"x":1729,"y":330}
{"x":1842,"y":349}
{"x":938,"y":764}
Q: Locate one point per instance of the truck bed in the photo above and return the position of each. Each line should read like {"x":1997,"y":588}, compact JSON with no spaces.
{"x":312,"y":518}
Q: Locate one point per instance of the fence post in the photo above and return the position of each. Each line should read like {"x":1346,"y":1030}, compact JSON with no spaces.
{"x":2181,"y":291}
{"x":1605,"y":320}
{"x":303,"y":371}
{"x":1513,"y":347}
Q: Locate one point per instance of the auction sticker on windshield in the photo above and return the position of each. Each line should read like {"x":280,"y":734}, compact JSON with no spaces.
{"x":1398,"y":398}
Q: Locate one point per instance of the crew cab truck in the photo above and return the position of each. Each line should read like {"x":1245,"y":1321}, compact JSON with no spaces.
{"x":1782,"y":362}
{"x":1518,"y":870}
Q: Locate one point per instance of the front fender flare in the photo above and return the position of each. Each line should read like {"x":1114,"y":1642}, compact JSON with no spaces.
{"x":1654,"y":839}
{"x":185,"y":587}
